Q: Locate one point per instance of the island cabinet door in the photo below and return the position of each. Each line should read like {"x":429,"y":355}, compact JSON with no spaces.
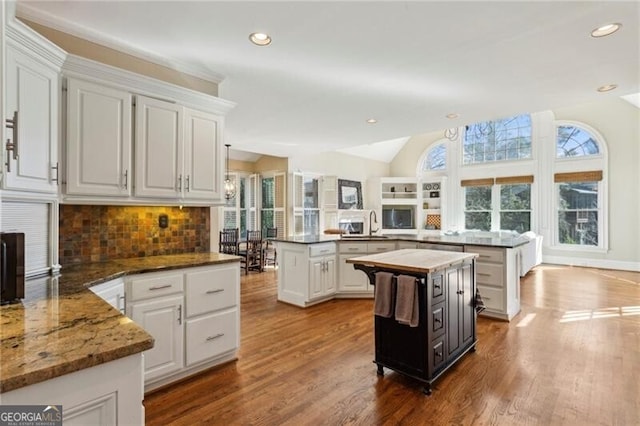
{"x":460,"y":315}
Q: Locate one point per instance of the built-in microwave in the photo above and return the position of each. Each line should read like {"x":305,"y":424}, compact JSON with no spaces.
{"x":351,"y":226}
{"x":11,"y":267}
{"x":398,"y":217}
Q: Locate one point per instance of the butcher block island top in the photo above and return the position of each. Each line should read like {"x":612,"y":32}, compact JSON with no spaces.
{"x":413,"y":260}
{"x":62,"y":326}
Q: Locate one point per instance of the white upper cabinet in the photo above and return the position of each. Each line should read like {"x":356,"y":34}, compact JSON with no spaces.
{"x":98,"y":140}
{"x":159,"y":149}
{"x":31,"y":160}
{"x":203,"y":165}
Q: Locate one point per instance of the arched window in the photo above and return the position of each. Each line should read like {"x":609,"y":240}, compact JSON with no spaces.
{"x":435,"y":158}
{"x":505,"y":139}
{"x":580,"y":188}
{"x":572,"y":141}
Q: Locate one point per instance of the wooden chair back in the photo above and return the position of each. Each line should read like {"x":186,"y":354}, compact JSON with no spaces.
{"x":229,"y":241}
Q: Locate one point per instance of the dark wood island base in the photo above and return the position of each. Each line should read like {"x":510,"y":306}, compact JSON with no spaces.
{"x":446,"y":328}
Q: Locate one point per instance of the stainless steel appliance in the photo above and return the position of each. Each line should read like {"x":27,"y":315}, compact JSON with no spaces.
{"x":352,"y":226}
{"x":11,"y":267}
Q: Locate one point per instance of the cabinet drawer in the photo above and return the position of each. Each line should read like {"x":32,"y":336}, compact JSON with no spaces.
{"x":445,"y":247}
{"x":436,"y":281}
{"x":211,"y":289}
{"x":437,"y":354}
{"x":210,"y":336}
{"x":492,"y":298}
{"x":154,"y":284}
{"x":380,"y":247}
{"x":321,"y":249}
{"x":437,"y":320}
{"x":490,"y":274}
{"x":406,"y":245}
{"x":353,"y":247}
{"x":487,"y":254}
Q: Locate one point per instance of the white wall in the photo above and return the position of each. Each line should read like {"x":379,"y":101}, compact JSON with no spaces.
{"x":344,"y":166}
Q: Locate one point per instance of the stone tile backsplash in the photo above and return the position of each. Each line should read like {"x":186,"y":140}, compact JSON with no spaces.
{"x":100,"y":233}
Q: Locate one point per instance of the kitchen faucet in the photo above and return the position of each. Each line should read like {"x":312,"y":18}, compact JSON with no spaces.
{"x":375,"y":218}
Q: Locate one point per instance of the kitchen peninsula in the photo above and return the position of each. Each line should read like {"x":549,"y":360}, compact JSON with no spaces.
{"x":313,"y":269}
{"x":65,"y":345}
{"x":446,"y":326}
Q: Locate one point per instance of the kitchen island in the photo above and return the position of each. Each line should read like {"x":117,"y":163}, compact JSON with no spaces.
{"x":65,"y":345}
{"x":446,"y":324}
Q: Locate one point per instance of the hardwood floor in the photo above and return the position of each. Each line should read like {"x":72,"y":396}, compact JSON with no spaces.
{"x":572,"y":356}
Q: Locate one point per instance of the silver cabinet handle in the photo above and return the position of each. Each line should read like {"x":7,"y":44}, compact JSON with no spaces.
{"x":57,"y":173}
{"x":217,"y":336}
{"x":217,"y":290}
{"x":180,"y":314}
{"x":12,"y":123}
{"x":180,"y":183}
{"x":126,"y":179}
{"x":187,"y":183}
{"x":160,"y":287}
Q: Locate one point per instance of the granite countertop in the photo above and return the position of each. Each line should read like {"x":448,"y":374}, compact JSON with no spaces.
{"x":413,"y":260}
{"x":61,"y":326}
{"x":462,"y":239}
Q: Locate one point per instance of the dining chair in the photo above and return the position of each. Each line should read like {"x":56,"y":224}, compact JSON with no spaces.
{"x":270,"y":255}
{"x":229,"y":241}
{"x":251,"y":253}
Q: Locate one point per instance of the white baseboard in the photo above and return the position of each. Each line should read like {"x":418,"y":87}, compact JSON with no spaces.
{"x":592,"y":263}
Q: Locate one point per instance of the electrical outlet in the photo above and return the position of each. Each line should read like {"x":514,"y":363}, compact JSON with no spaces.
{"x":163,"y":221}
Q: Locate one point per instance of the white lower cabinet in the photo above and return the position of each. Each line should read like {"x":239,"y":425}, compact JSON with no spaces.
{"x":112,"y":292}
{"x":354,"y":282}
{"x":107,"y":394}
{"x":306,"y":272}
{"x":193,"y":315}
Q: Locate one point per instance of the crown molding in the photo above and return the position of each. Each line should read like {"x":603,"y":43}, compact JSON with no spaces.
{"x":27,"y":11}
{"x":86,"y":69}
{"x":25,"y":39}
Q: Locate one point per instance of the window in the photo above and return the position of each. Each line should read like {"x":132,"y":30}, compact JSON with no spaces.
{"x":572,"y":141}
{"x":499,"y":140}
{"x":515,"y":207}
{"x":579,"y":208}
{"x":268,"y":199}
{"x":505,"y":205}
{"x":435,"y":159}
{"x":311,"y":206}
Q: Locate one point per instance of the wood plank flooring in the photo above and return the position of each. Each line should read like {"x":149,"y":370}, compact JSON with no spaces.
{"x":571,"y":357}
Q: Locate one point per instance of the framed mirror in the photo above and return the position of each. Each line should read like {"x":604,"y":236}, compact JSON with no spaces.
{"x":349,"y":194}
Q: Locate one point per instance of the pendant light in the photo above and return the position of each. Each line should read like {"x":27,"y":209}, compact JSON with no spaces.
{"x":229,"y":186}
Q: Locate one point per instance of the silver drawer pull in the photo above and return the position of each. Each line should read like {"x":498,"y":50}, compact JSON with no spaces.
{"x":486,"y":298}
{"x":217,"y":336}
{"x":217,"y":290}
{"x":483,"y":274}
{"x":324,"y":251}
{"x":160,"y":287}
{"x":353,"y":248}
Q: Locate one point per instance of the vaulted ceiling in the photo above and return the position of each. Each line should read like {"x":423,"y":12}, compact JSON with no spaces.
{"x":333,"y":65}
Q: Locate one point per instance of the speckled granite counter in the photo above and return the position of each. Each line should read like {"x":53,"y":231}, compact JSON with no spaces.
{"x":61,"y":326}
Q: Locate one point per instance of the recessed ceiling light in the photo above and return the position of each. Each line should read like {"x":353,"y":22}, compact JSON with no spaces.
{"x":260,"y":39}
{"x":605,"y":30}
{"x":372,"y":121}
{"x":452,"y":115}
{"x":607,"y":87}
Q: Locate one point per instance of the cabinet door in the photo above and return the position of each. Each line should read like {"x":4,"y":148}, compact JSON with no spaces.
{"x":111,"y":292}
{"x":32,"y":92}
{"x":162,"y":318}
{"x":329,"y":275}
{"x":158,"y":149}
{"x":453,"y":311}
{"x":467,"y":309}
{"x":351,"y":279}
{"x":203,"y":156}
{"x":98,"y":140}
{"x":316,"y":275}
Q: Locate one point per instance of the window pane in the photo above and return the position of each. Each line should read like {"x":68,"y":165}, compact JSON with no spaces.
{"x":310,"y":193}
{"x":436,"y":158}
{"x":578,"y":213}
{"x":515,"y":197}
{"x":243,"y":223}
{"x":578,"y":195}
{"x":311,"y":222}
{"x":266,"y":219}
{"x":574,"y":142}
{"x":505,"y":139}
{"x":268,"y":186}
{"x":477,"y":220}
{"x":243,"y":181}
{"x":477,"y":198}
{"x":578,"y":227}
{"x":515,"y":221}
